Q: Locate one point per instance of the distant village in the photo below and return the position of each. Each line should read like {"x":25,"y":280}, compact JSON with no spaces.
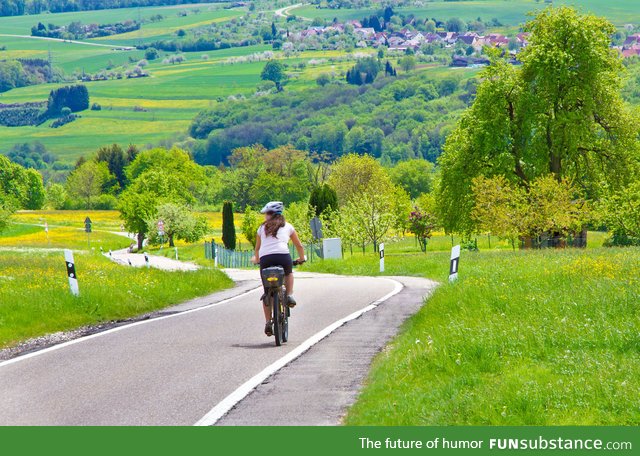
{"x":407,"y":40}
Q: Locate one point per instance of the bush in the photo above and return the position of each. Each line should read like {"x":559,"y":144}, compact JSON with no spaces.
{"x":106,"y":203}
{"x":96,"y":107}
{"x":151,"y":54}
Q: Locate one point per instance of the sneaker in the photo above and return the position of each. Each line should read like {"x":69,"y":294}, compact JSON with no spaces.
{"x":291,"y":301}
{"x":268,"y":328}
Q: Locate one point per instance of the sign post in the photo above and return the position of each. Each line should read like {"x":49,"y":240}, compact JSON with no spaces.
{"x":455,"y":261}
{"x":87,"y":229}
{"x":71,"y":272}
{"x":382,"y":257}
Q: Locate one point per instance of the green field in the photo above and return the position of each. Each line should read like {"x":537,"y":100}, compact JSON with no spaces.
{"x":522,"y":338}
{"x":35,"y":300}
{"x":508,"y":12}
{"x":171,"y":97}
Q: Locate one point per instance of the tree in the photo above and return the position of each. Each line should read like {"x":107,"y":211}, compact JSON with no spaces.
{"x":151,"y":53}
{"x":86,"y":182}
{"x":547,"y":207}
{"x":372,"y":212}
{"x":323,"y":79}
{"x":56,"y":196}
{"x":499,"y":208}
{"x":179,"y":223}
{"x":116,"y":161}
{"x":228,"y":227}
{"x":455,"y":24}
{"x":299,"y":214}
{"x":354,"y":174}
{"x":36,"y":195}
{"x":6,"y":210}
{"x":560,"y":113}
{"x":274,"y":71}
{"x":621,"y":214}
{"x":250,"y":224}
{"x":136,"y":209}
{"x":407,"y":63}
{"x":422,"y":224}
{"x":415,"y":176}
{"x":323,"y":198}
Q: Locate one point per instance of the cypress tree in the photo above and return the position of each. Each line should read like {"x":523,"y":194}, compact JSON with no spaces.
{"x":228,"y":227}
{"x":322,"y":198}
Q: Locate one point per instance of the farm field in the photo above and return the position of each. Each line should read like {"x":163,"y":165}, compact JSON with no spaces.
{"x":508,"y":12}
{"x":522,"y":338}
{"x":169,"y":100}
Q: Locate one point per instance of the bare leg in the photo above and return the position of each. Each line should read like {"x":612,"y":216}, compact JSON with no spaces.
{"x":288,"y":284}
{"x":267,"y":311}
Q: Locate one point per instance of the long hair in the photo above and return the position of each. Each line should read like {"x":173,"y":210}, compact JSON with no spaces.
{"x":271,"y":226}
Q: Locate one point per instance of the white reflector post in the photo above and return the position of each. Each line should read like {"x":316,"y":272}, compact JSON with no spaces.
{"x":455,"y":261}
{"x":71,"y":272}
{"x":382,"y":257}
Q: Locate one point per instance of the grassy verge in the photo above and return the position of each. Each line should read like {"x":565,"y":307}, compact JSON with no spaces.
{"x":35,"y":300}
{"x":535,"y":338}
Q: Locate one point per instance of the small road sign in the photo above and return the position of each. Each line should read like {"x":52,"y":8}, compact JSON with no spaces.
{"x":316,"y":228}
{"x":71,"y":272}
{"x":455,"y":261}
{"x":87,"y":225}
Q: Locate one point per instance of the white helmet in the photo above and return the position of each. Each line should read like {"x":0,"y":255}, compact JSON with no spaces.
{"x":273,"y":206}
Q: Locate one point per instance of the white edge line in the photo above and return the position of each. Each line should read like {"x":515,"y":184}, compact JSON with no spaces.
{"x":224,"y":406}
{"x":120,"y":328}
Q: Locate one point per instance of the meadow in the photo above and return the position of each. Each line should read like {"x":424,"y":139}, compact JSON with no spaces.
{"x":35,"y":299}
{"x":522,"y":338}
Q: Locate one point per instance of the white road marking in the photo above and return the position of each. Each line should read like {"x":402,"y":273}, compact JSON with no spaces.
{"x":223,"y":407}
{"x":120,"y":328}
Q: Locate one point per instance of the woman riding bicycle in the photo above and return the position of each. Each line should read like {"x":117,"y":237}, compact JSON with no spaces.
{"x":272,"y":249}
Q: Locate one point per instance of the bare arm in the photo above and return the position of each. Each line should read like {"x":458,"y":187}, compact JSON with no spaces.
{"x":298,"y":245}
{"x":256,"y":257}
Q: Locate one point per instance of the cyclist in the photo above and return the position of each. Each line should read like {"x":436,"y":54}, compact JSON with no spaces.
{"x":272,"y":249}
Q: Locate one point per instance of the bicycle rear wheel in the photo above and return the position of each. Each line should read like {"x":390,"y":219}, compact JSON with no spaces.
{"x":277,"y":319}
{"x":284,"y":309}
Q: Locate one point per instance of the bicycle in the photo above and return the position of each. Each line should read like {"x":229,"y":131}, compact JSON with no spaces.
{"x":275,"y":296}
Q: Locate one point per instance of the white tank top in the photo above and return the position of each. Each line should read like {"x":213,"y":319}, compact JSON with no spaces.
{"x":270,"y":245}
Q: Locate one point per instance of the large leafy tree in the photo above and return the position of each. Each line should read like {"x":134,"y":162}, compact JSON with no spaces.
{"x":560,"y":113}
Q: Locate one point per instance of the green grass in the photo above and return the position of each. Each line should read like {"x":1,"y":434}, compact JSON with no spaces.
{"x":522,"y":338}
{"x":35,"y":300}
{"x":508,"y":12}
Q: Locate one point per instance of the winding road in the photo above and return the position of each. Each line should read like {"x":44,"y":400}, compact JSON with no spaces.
{"x":206,"y":361}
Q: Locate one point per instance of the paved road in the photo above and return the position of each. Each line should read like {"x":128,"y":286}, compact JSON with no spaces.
{"x":284,"y":12}
{"x":172,"y":370}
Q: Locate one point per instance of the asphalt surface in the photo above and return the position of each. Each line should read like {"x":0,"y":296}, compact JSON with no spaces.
{"x":172,"y":370}
{"x":317,"y":388}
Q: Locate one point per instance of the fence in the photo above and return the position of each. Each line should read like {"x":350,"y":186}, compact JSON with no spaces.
{"x":242,"y":258}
